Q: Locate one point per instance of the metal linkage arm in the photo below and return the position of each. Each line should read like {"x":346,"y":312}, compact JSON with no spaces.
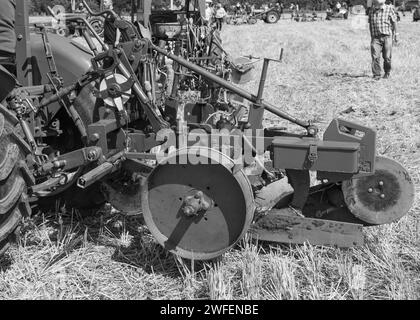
{"x":231,"y":87}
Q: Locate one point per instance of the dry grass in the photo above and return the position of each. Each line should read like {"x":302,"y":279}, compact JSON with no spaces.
{"x":325,"y":71}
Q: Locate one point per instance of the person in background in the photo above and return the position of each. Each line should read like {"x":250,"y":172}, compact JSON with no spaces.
{"x":238,"y":8}
{"x":7,"y":35}
{"x":338,"y":6}
{"x":416,"y":14}
{"x":383,"y":31}
{"x":109,"y":28}
{"x":368,"y":6}
{"x":208,"y":13}
{"x":247,"y":8}
{"x":220,"y":15}
{"x":292,"y":9}
{"x":280,"y":7}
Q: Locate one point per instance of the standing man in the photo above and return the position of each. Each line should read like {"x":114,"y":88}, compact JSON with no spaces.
{"x":208,"y":13}
{"x":220,"y":15}
{"x":383,"y":31}
{"x":7,"y":34}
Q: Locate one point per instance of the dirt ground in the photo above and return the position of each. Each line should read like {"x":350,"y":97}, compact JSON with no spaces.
{"x":325,"y":73}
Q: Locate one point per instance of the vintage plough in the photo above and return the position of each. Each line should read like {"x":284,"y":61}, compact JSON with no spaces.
{"x":203,"y":169}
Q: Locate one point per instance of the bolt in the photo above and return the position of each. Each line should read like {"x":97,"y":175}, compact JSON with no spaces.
{"x":92,"y":155}
{"x":94,"y":137}
{"x":188,"y":211}
{"x":57,"y":164}
{"x":370,"y":190}
{"x":198,"y":195}
{"x":20,"y":37}
{"x":382,"y":196}
{"x":381,"y":183}
{"x":311,"y":131}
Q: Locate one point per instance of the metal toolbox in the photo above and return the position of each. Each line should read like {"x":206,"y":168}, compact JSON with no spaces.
{"x":311,"y":154}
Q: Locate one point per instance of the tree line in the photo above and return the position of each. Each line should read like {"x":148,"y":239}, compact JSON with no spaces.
{"x":40,"y":6}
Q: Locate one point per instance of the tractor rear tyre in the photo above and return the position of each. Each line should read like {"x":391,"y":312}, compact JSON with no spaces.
{"x":14,"y":178}
{"x":272,"y":17}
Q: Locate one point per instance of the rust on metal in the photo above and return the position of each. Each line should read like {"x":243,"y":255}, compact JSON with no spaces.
{"x":277,"y":227}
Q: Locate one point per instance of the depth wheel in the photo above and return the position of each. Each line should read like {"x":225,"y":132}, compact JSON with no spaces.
{"x":383,"y":197}
{"x":13,"y":186}
{"x":197,"y":211}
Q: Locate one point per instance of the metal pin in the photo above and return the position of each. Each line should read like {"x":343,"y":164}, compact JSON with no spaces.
{"x":370,"y":190}
{"x":381,"y":183}
{"x":382,"y":196}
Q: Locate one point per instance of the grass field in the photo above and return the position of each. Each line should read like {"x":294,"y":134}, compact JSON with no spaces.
{"x":325,"y":71}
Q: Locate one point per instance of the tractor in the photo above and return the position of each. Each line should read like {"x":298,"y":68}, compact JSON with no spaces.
{"x":88,"y":125}
{"x":268,"y":15}
{"x":342,"y":13}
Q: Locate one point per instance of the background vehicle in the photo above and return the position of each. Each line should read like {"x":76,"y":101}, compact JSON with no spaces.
{"x":340,"y":14}
{"x":270,"y":15}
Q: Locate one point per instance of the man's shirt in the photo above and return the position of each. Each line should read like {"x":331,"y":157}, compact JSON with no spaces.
{"x":380,"y":21}
{"x":220,"y":13}
{"x":7,"y":26}
{"x":209,"y":13}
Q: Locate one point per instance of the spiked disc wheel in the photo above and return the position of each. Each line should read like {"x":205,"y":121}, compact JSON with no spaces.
{"x":383,"y":197}
{"x":197,"y":210}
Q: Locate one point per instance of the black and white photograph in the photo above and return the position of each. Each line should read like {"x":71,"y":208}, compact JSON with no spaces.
{"x":209,"y":156}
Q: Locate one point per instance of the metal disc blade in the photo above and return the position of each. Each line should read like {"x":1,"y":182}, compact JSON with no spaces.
{"x":205,"y":234}
{"x":383,"y":197}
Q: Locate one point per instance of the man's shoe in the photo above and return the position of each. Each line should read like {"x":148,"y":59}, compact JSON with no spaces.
{"x":376,"y":77}
{"x":386,"y":75}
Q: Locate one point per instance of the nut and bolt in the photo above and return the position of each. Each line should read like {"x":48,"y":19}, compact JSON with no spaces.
{"x":92,"y":155}
{"x":370,"y":190}
{"x":382,"y":196}
{"x":381,"y":183}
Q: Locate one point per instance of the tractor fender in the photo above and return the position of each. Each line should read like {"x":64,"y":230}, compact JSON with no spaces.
{"x":73,"y":60}
{"x":8,"y":82}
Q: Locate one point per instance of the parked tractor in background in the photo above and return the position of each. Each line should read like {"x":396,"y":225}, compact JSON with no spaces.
{"x":268,"y":15}
{"x":85,"y":125}
{"x":342,"y":13}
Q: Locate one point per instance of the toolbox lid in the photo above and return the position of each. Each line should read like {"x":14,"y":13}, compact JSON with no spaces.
{"x":304,"y":143}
